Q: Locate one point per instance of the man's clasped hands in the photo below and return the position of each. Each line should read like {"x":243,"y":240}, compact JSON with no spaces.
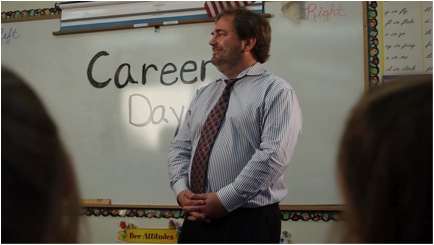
{"x":201,"y":207}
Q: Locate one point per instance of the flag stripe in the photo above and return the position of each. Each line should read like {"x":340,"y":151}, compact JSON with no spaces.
{"x":213,"y":8}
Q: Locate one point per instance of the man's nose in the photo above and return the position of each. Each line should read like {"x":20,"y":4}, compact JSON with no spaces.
{"x":212,"y":42}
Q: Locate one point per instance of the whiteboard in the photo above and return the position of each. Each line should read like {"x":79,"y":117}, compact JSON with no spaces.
{"x":118,"y":134}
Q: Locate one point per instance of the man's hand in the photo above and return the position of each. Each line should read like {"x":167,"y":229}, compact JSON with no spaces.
{"x":185,"y":198}
{"x":211,"y":207}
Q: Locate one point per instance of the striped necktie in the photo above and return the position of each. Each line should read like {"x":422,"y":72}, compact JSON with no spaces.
{"x":206,"y":140}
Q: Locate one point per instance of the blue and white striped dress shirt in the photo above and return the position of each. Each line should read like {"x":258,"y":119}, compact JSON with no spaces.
{"x":254,"y":145}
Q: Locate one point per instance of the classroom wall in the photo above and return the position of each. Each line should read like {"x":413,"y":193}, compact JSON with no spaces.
{"x":320,"y":54}
{"x":118,"y":136}
{"x":310,"y":53}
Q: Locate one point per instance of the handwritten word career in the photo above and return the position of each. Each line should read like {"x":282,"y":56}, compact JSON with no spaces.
{"x":150,"y":113}
{"x":169,"y":68}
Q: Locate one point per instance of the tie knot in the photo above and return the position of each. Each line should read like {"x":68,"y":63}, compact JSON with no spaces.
{"x":230,"y":82}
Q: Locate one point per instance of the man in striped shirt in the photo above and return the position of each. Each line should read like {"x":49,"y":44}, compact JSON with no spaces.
{"x":254,"y":145}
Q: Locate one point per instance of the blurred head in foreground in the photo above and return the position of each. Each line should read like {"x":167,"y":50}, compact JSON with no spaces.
{"x":38,"y":189}
{"x":385,"y":164}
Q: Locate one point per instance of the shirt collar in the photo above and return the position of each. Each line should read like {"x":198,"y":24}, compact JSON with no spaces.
{"x":254,"y":70}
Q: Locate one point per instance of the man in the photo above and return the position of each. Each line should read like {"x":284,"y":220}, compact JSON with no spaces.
{"x":254,"y":144}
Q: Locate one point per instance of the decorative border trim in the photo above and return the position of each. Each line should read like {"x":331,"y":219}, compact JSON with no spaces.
{"x":179,"y":213}
{"x":134,"y":212}
{"x":311,"y":215}
{"x":32,"y":14}
{"x":373,"y":42}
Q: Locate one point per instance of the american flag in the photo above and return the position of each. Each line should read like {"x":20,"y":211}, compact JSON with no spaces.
{"x":213,"y":8}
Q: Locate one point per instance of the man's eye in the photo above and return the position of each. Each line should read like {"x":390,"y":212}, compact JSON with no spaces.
{"x":218,"y":34}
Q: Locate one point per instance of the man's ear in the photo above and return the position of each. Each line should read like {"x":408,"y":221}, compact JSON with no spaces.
{"x":249,"y":44}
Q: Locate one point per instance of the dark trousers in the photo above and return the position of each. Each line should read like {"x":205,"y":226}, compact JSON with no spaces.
{"x":244,"y":225}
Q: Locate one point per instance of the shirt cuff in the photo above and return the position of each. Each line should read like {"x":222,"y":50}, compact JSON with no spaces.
{"x":229,"y":197}
{"x":180,"y":186}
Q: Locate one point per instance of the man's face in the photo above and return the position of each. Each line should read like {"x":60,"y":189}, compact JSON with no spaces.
{"x":226,"y":45}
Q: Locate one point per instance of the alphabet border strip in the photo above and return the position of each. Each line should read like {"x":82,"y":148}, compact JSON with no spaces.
{"x":179,"y":213}
{"x":31,"y":13}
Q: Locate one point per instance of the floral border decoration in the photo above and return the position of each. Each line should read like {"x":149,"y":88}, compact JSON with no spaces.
{"x":311,"y":215}
{"x":178,"y":213}
{"x":133,"y":212}
{"x":373,"y":51}
{"x":18,"y":14}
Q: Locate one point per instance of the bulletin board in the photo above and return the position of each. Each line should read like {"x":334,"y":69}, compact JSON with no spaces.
{"x":399,"y":39}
